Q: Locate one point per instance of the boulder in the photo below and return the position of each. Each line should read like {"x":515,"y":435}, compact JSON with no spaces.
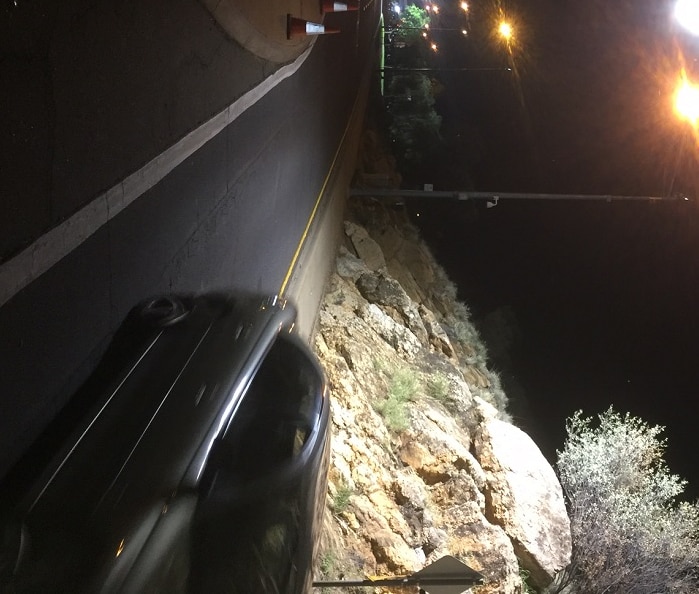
{"x":367,"y":249}
{"x":348,"y":265}
{"x":397,"y":335}
{"x":480,"y":545}
{"x":438,"y":338}
{"x":381,"y":289}
{"x":523,"y":496}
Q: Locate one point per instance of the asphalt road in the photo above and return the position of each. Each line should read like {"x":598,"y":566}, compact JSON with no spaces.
{"x":230,"y":216}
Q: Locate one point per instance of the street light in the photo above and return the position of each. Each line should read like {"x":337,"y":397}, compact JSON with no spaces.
{"x":505,"y":30}
{"x":687,"y":15}
{"x":464,"y":6}
{"x":687,"y":100}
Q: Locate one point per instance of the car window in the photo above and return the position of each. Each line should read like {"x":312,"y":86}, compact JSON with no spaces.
{"x":247,"y":536}
{"x":277,"y":413}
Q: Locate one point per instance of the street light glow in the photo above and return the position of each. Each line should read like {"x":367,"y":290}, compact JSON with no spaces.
{"x":464,"y":6}
{"x":434,"y":47}
{"x":505,"y":30}
{"x":687,"y":100}
{"x":687,"y":15}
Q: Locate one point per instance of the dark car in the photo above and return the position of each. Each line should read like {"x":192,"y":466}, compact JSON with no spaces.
{"x":194,"y":459}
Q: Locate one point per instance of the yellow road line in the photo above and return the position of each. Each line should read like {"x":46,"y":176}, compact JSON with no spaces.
{"x":304,"y":235}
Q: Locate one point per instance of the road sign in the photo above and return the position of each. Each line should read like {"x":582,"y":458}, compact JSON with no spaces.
{"x":446,"y":575}
{"x":447,"y":567}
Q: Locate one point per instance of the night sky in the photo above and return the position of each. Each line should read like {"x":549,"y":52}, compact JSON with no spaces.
{"x":604,"y":297}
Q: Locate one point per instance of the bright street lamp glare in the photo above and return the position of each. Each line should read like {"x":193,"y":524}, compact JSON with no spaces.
{"x":687,"y":101}
{"x":464,"y":6}
{"x":505,"y":30}
{"x":687,"y":15}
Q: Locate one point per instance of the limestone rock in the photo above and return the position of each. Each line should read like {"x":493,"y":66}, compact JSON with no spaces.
{"x":483,"y":547}
{"x":524,"y":496}
{"x":436,"y":334}
{"x":367,"y":249}
{"x":398,"y":336}
{"x":418,"y":262}
{"x":458,"y":479}
{"x":381,"y":289}
{"x":348,"y":265}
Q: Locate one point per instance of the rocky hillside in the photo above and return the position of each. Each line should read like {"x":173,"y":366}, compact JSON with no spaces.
{"x":425,"y":460}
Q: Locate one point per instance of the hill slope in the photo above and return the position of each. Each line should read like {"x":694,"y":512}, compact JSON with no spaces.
{"x":425,"y":461}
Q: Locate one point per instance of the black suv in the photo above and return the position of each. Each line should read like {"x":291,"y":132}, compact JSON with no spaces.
{"x":194,"y":459}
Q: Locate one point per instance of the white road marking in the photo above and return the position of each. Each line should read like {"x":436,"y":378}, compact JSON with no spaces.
{"x":19,"y":271}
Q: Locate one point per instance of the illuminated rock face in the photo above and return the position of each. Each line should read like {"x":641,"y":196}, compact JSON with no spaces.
{"x":523,"y":496}
{"x":425,"y":461}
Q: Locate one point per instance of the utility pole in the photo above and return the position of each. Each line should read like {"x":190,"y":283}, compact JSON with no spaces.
{"x":427,"y":69}
{"x":494,"y":197}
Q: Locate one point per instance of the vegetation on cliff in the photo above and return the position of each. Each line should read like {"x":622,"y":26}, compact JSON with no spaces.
{"x":630,"y":532}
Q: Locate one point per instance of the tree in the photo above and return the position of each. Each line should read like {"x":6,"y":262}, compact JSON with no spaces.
{"x":630,"y":531}
{"x":414,"y":124}
{"x":412,"y":21}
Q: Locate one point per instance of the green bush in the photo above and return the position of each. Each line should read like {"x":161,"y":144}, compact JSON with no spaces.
{"x":327,"y":562}
{"x":394,"y":413}
{"x":341,"y":499}
{"x":378,"y":364}
{"x":630,"y":531}
{"x":438,"y":386}
{"x":526,"y":586}
{"x":403,"y":387}
{"x":495,"y":394}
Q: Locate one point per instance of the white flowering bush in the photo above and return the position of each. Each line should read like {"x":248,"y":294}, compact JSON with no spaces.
{"x":631,"y":534}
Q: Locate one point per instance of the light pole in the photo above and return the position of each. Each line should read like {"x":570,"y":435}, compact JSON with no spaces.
{"x":457,"y":69}
{"x":493,"y":197}
{"x":426,"y":29}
